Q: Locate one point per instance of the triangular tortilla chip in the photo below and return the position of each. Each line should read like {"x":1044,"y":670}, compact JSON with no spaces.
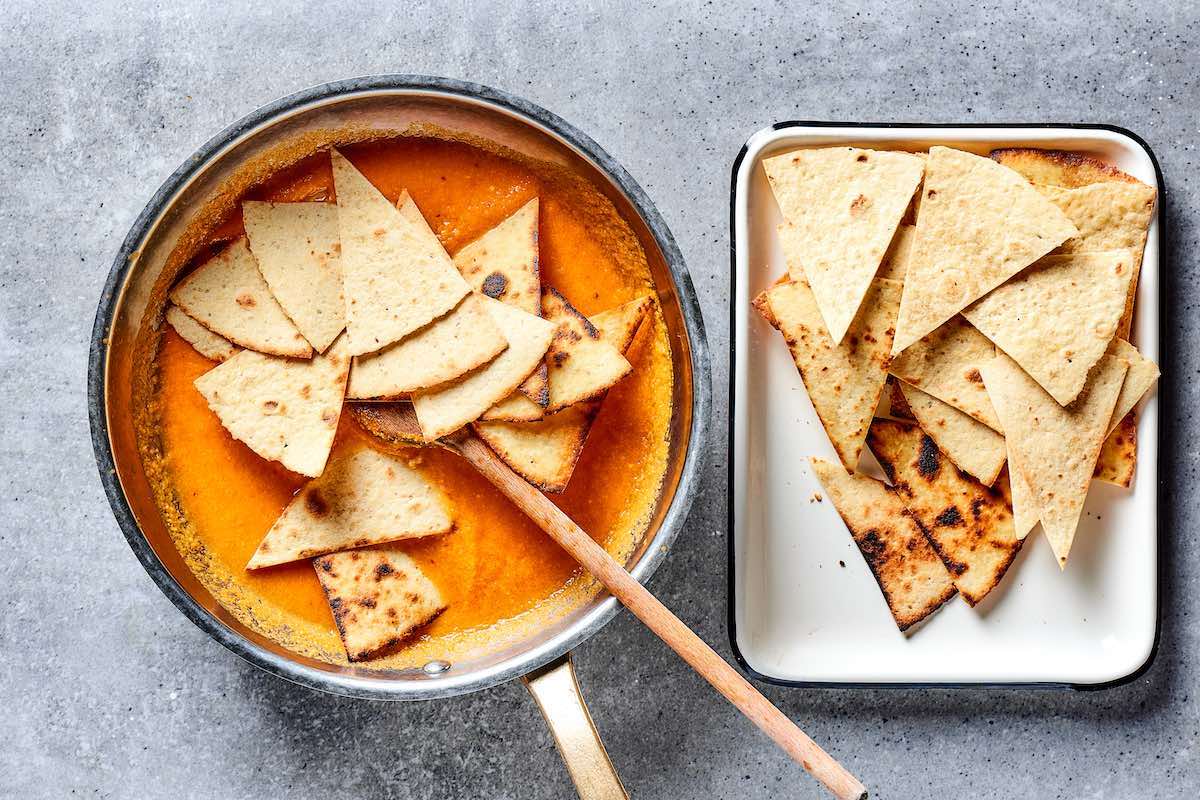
{"x":207,"y":343}
{"x":446,"y":409}
{"x":362,"y":498}
{"x":227,"y":295}
{"x":503,"y":264}
{"x":895,"y":261}
{"x":980,"y":224}
{"x":1143,"y":374}
{"x":842,"y":206}
{"x":395,"y":280}
{"x":1056,"y":448}
{"x":974,"y":447}
{"x":912,"y":578}
{"x":946,"y":365}
{"x":1057,"y":318}
{"x":1059,"y":167}
{"x":897,"y":404}
{"x":377,"y":597}
{"x":545,"y":452}
{"x":285,"y":410}
{"x":1021,"y":497}
{"x":844,"y":381}
{"x":1118,"y":456}
{"x":968,"y":524}
{"x":299,"y":256}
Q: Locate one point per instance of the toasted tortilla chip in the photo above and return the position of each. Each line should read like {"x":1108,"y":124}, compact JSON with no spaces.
{"x":1055,"y":448}
{"x":299,"y":256}
{"x":968,"y":524}
{"x":1118,"y":457}
{"x":895,"y":261}
{"x":362,"y":498}
{"x":446,"y":409}
{"x":912,"y":578}
{"x":844,"y":381}
{"x":1059,"y":167}
{"x":1057,"y":318}
{"x":897,"y":405}
{"x":974,"y":447}
{"x":395,"y":280}
{"x":946,"y":365}
{"x":207,"y":343}
{"x":1143,"y":374}
{"x":377,"y":597}
{"x":842,"y":206}
{"x":980,"y":224}
{"x":546,"y":451}
{"x":285,"y":410}
{"x":227,"y":295}
{"x":1021,"y":498}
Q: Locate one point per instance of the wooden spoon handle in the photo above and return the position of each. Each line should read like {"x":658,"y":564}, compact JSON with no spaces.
{"x":646,"y":607}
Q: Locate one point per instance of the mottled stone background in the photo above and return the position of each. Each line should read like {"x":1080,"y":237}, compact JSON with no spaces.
{"x":107,"y":691}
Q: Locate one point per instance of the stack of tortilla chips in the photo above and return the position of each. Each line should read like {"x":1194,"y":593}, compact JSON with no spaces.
{"x":318,"y":303}
{"x":1001,"y":317}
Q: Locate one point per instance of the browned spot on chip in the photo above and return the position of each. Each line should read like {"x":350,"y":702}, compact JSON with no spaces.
{"x":315,"y":503}
{"x":246,"y":300}
{"x":495,"y":285}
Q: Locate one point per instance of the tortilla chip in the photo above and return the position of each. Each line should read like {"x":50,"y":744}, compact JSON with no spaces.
{"x":974,"y":447}
{"x":377,"y":597}
{"x":1056,"y":448}
{"x":946,"y":365}
{"x":980,"y":224}
{"x":363,"y":498}
{"x":207,"y":343}
{"x":897,"y":405}
{"x":227,"y":295}
{"x":446,"y":409}
{"x":968,"y":524}
{"x":299,"y":256}
{"x":1057,"y":318}
{"x":844,"y":381}
{"x":1118,"y":456}
{"x":1059,"y":167}
{"x":285,"y":410}
{"x":895,"y":261}
{"x":395,"y":280}
{"x":912,"y":578}
{"x":842,"y":206}
{"x":1021,"y":500}
{"x":545,"y":452}
{"x":1143,"y":374}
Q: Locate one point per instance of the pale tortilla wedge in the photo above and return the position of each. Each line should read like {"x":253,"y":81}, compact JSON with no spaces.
{"x":446,"y":409}
{"x":980,"y":224}
{"x":912,"y":578}
{"x":1056,"y":448}
{"x":299,"y":256}
{"x":545,"y":452}
{"x":362,"y":498}
{"x":1143,"y":374}
{"x":844,"y":381}
{"x":1021,"y":497}
{"x":227,"y":295}
{"x":974,"y":447}
{"x":207,"y":343}
{"x":1057,"y":318}
{"x":395,"y":280}
{"x":285,"y":410}
{"x":946,"y":365}
{"x":842,"y":206}
{"x":378,"y":597}
{"x":895,"y":261}
{"x":968,"y":524}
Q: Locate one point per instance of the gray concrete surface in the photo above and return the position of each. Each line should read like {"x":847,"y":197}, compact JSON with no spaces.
{"x":107,"y":691}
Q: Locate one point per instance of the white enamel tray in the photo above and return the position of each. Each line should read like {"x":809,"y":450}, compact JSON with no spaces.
{"x":803,"y":607}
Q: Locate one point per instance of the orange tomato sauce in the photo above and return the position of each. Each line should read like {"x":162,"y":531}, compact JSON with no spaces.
{"x":496,"y":566}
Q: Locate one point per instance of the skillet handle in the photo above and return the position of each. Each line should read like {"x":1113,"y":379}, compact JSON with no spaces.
{"x":556,"y":691}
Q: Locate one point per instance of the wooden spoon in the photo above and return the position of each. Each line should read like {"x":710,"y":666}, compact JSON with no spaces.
{"x":397,"y":423}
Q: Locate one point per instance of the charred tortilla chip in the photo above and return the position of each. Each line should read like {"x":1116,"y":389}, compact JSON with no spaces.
{"x":897,"y":405}
{"x":362,"y":498}
{"x":1055,"y":448}
{"x":968,"y":524}
{"x":842,"y":206}
{"x":395,"y":280}
{"x":299,"y":256}
{"x":378,"y":597}
{"x":974,"y":447}
{"x":844,"y":381}
{"x":284,"y":409}
{"x":912,"y":578}
{"x":1118,"y":457}
{"x":227,"y":295}
{"x":1057,"y":318}
{"x":980,"y":224}
{"x":1059,"y":167}
{"x":946,"y":365}
{"x":206,"y":343}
